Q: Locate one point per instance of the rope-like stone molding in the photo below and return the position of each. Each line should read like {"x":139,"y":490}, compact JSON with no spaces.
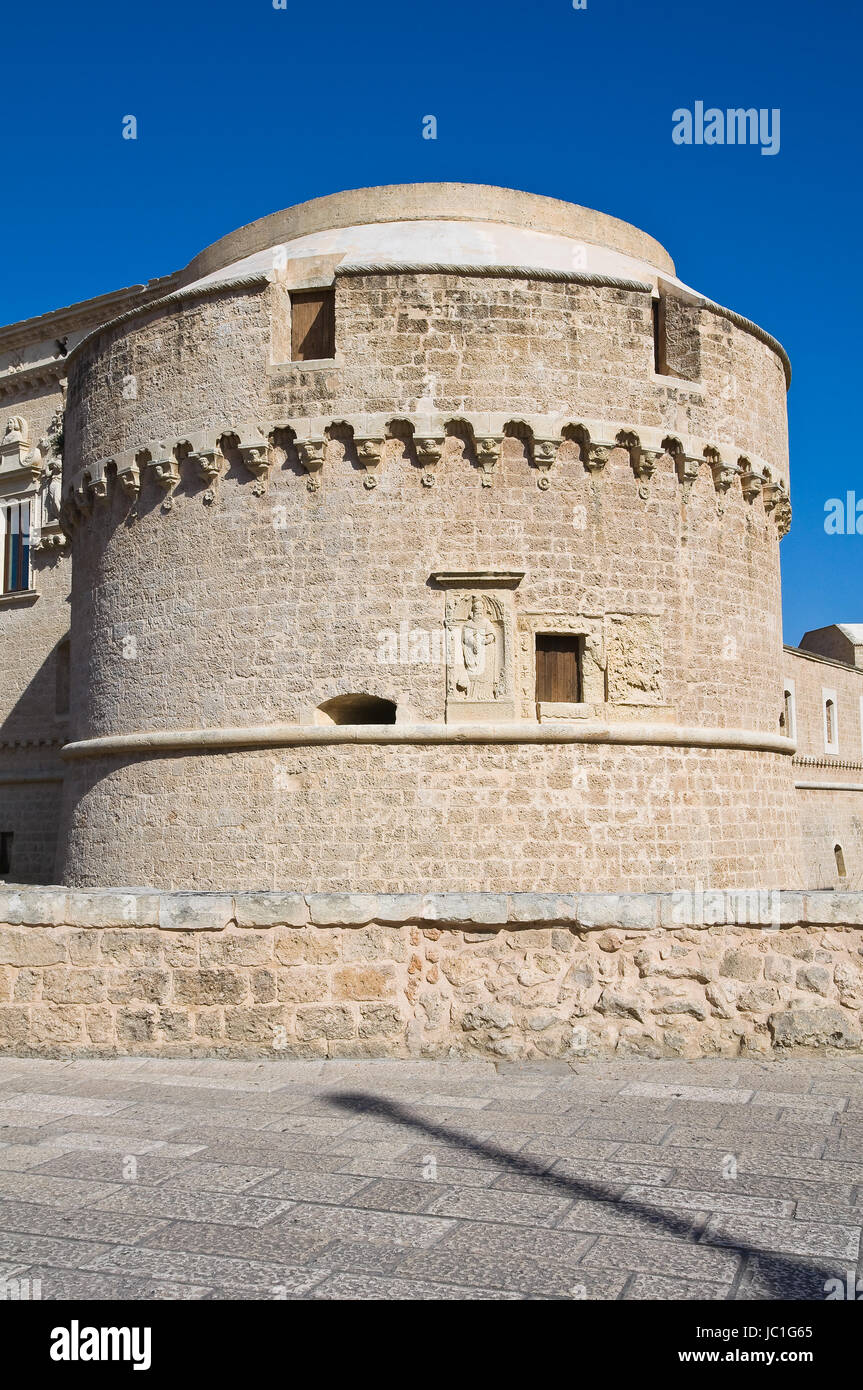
{"x":300,"y":735}
{"x":495,"y":272}
{"x":424,"y":437}
{"x":165,"y":301}
{"x":760,"y":909}
{"x":822,"y":760}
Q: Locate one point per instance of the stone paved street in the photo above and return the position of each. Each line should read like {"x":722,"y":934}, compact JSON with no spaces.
{"x":632,"y":1179}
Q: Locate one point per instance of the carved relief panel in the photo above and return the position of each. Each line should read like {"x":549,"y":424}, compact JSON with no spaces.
{"x":480,"y":646}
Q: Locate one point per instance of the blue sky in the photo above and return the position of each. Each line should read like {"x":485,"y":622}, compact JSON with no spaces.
{"x":243,"y":109}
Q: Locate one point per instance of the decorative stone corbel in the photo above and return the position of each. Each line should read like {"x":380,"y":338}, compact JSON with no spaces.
{"x":429,"y":451}
{"x":98,"y":487}
{"x":687,"y":470}
{"x":81,"y":493}
{"x":488,"y":454}
{"x":128,"y":474}
{"x":723,"y":473}
{"x":751,"y":481}
{"x":782,"y":513}
{"x":207,"y":457}
{"x":165,"y":467}
{"x":369,"y":454}
{"x":772,"y":494}
{"x":254,"y":451}
{"x":596,"y":456}
{"x":544,"y":456}
{"x":311,"y":453}
{"x":644,"y":466}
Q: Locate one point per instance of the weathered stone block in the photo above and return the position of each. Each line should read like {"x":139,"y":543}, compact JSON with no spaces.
{"x":326,"y":1021}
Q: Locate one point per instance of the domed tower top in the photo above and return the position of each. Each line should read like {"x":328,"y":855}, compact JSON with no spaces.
{"x":450,"y":224}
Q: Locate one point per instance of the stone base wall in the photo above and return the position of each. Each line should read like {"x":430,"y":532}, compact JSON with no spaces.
{"x":482,"y":817}
{"x":493,"y":975}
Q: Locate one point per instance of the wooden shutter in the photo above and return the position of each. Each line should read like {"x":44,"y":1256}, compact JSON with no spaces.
{"x":313,"y":325}
{"x":558,"y":668}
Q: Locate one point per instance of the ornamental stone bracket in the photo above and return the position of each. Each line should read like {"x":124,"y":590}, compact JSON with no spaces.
{"x":544,"y":456}
{"x":488,"y":455}
{"x":164,"y":467}
{"x":311,"y":454}
{"x":429,"y":451}
{"x":253,"y":448}
{"x":423,"y":441}
{"x":369,"y":451}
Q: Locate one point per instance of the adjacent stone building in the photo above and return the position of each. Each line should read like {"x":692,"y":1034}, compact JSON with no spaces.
{"x":414,"y":539}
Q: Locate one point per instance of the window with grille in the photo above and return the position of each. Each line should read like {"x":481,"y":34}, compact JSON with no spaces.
{"x":15,"y":525}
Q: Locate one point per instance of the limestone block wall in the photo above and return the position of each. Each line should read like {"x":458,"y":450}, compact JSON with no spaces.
{"x":828,"y":784}
{"x":386,"y":817}
{"x":248,"y":598}
{"x":33,"y":628}
{"x":504,"y":976}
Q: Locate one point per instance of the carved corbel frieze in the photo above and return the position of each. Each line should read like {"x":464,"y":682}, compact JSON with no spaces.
{"x":782,"y":513}
{"x":369,"y":452}
{"x":687,"y":470}
{"x":164,"y":466}
{"x":254,"y":450}
{"x":206,"y":457}
{"x":429,"y":451}
{"x":751,"y":481}
{"x":544,"y":456}
{"x":596,"y":456}
{"x":772,"y":494}
{"x":81,"y":494}
{"x":488,"y":454}
{"x":97,"y":487}
{"x":644,"y":463}
{"x":723,"y":473}
{"x":311,"y":453}
{"x":128,"y":474}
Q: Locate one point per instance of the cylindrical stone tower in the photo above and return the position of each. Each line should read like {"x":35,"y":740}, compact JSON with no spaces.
{"x":428,"y":537}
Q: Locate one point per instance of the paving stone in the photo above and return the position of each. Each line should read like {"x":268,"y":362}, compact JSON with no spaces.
{"x":138,"y":1260}
{"x":365,"y":1287}
{"x":770,"y":1277}
{"x":333,"y":1188}
{"x":393,"y":1196}
{"x":656,"y":1287}
{"x":785,"y":1237}
{"x":78,"y":1285}
{"x":728,"y":1201}
{"x":193,"y":1206}
{"x":649,"y":1256}
{"x":276,"y":1242}
{"x":625,"y":1218}
{"x":390,"y":1228}
{"x":77,"y":1224}
{"x":485,"y":1204}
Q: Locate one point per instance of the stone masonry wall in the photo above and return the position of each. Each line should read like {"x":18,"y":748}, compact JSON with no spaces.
{"x":472,"y":817}
{"x":494,"y":975}
{"x":829,"y":816}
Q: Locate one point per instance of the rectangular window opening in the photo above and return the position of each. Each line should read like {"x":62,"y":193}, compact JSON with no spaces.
{"x":313,"y":325}
{"x":5,"y":851}
{"x":559,"y":668}
{"x":15,"y":518}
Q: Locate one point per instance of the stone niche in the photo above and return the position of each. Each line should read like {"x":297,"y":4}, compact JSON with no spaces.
{"x":479,"y":621}
{"x":633,"y":645}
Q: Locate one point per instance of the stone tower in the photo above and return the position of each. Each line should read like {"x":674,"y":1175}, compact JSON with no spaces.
{"x":427,"y":536}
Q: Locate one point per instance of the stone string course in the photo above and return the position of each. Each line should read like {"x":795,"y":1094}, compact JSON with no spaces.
{"x":505,"y":976}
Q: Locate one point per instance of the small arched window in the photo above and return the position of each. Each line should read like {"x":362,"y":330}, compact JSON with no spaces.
{"x":840,"y":861}
{"x":830,"y":721}
{"x":356,"y":709}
